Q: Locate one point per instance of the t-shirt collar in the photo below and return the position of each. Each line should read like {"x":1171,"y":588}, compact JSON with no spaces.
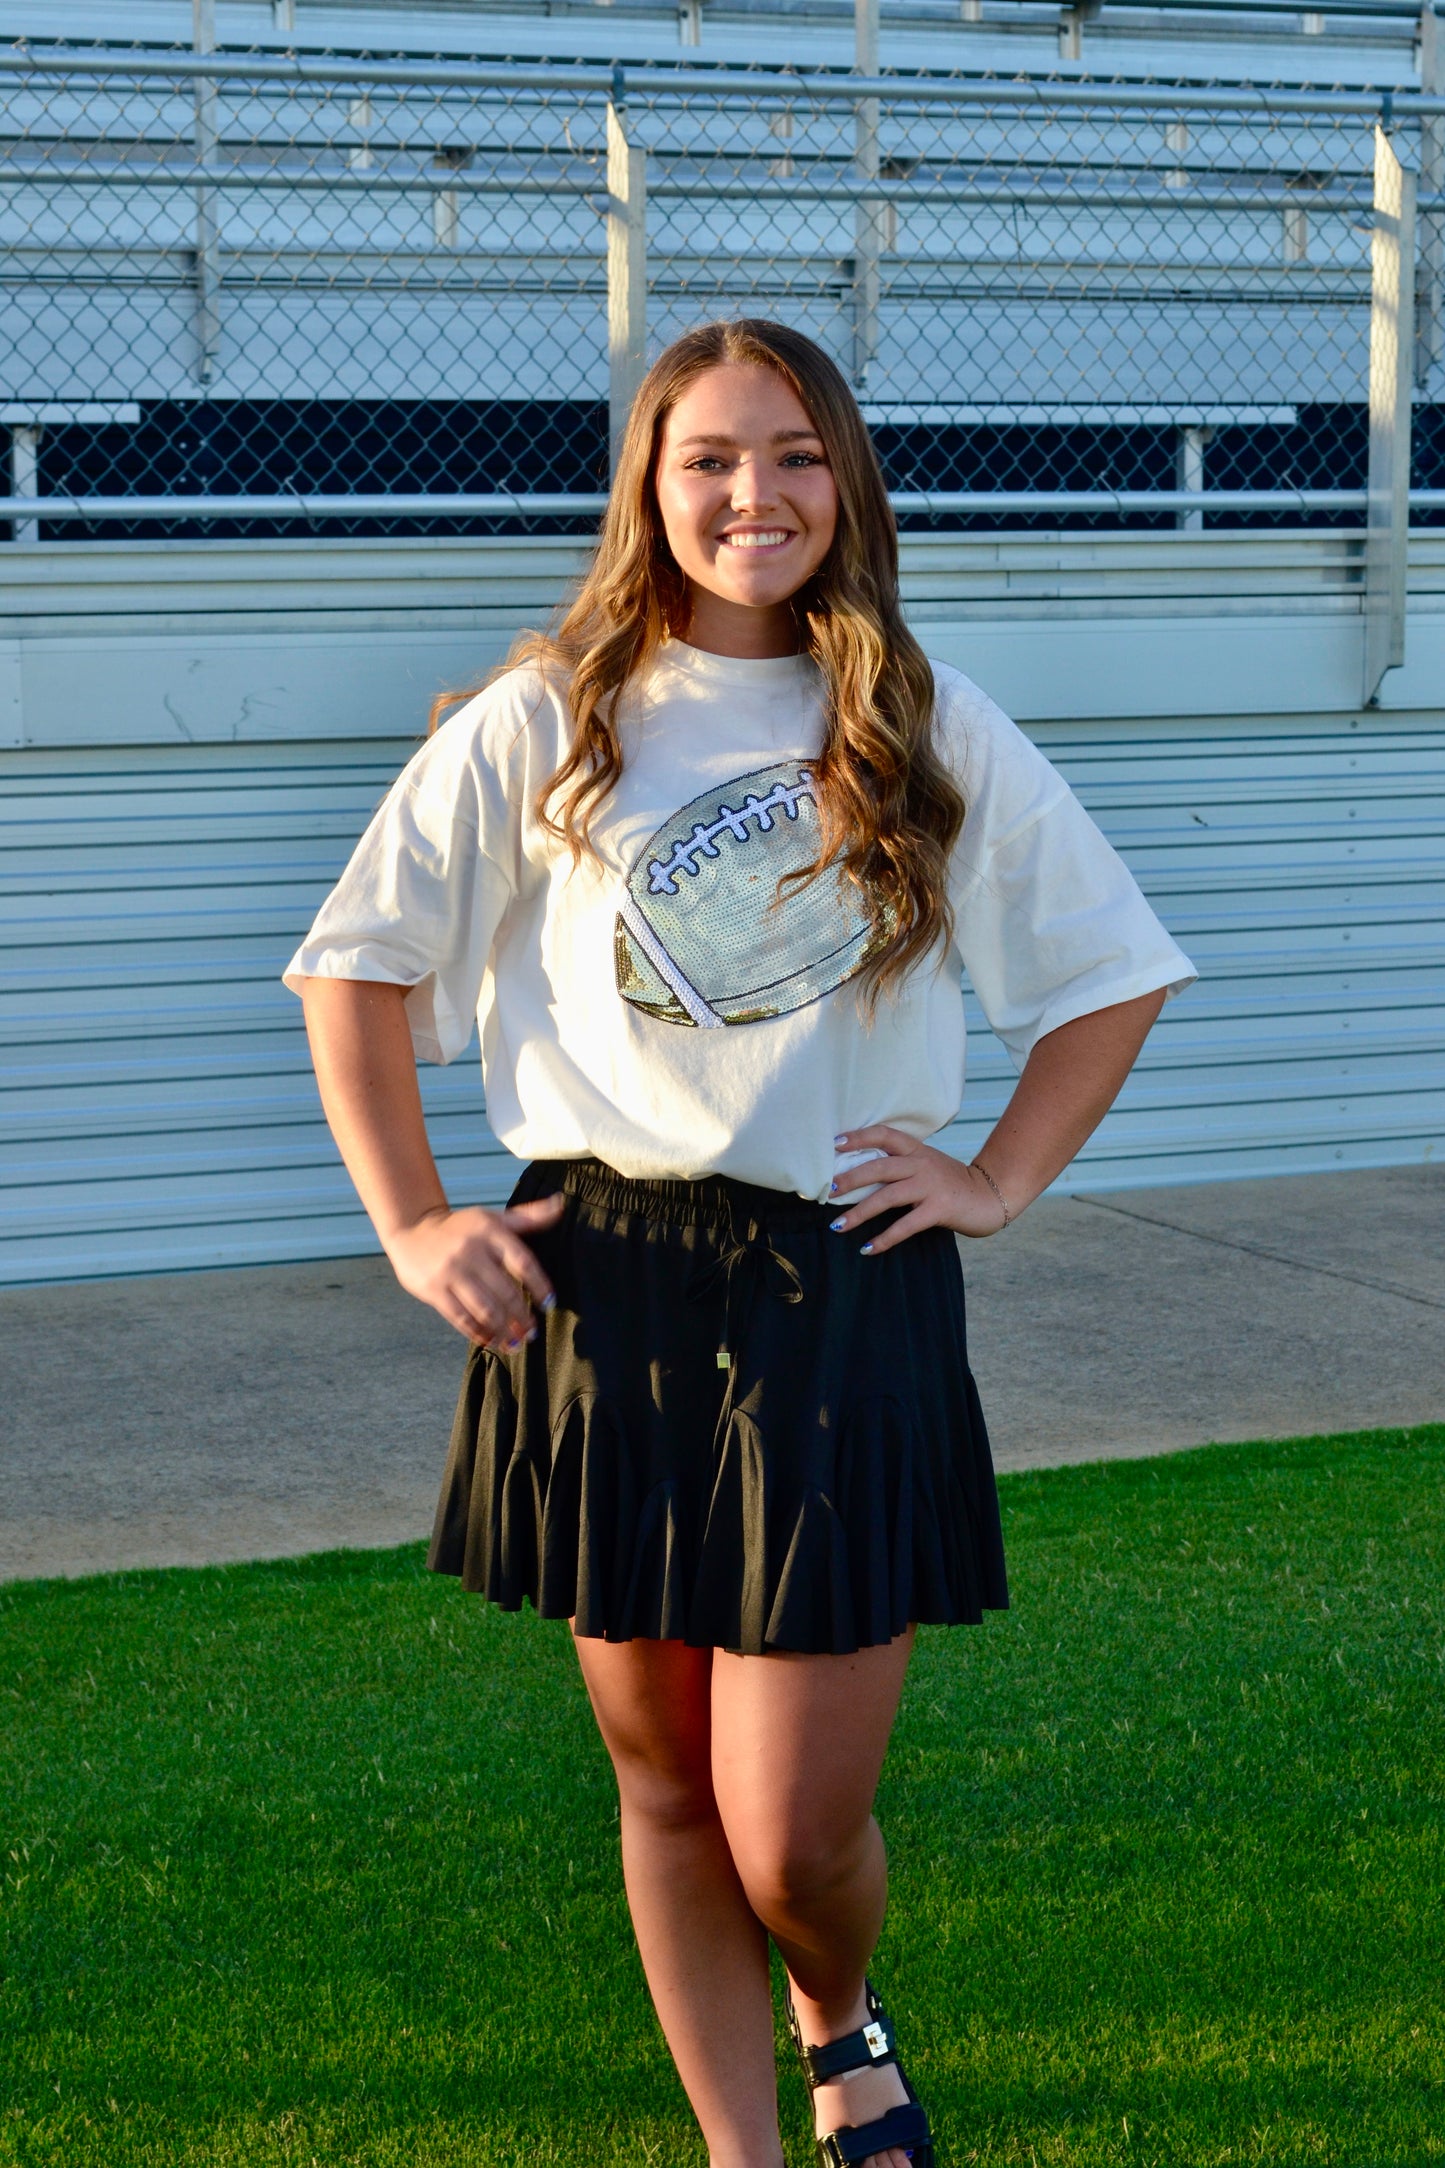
{"x":783,"y":672}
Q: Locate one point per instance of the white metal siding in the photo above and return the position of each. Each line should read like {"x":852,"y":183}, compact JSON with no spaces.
{"x":1299,"y":863}
{"x":158,"y":1110}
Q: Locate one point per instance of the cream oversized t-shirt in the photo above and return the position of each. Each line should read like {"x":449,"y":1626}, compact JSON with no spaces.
{"x":661,"y":1008}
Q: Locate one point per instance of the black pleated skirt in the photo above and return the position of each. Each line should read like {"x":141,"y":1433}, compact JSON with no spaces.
{"x":733,"y":1430}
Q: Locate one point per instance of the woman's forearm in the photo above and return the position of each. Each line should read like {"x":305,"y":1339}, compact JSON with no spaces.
{"x":366,"y":1070}
{"x":472,"y":1265}
{"x":1069,"y":1082}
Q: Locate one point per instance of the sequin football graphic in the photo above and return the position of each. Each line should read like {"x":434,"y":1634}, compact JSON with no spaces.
{"x":704,"y":937}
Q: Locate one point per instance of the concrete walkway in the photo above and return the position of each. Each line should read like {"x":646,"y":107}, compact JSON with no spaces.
{"x":264,"y":1413}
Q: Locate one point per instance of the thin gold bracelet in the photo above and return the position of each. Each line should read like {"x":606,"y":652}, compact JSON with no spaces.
{"x":977,"y":1166}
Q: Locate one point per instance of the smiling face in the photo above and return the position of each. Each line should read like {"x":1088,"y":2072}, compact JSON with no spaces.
{"x":748,"y":504}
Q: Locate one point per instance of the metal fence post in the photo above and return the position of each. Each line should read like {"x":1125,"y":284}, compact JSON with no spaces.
{"x":1430,"y":282}
{"x":626,"y":271}
{"x":1392,"y":312}
{"x":208,"y":274}
{"x":1071,"y":27}
{"x":25,"y":475}
{"x":1190,"y":442}
{"x":868,"y":217}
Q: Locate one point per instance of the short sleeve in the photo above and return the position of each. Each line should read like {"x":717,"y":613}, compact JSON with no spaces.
{"x":1049,"y":921}
{"x":426,"y":888}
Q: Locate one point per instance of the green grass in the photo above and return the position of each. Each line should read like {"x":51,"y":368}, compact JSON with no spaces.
{"x":316,"y":1862}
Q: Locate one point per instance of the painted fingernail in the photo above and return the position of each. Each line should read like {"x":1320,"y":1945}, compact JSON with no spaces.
{"x":549,"y":1302}
{"x":843,"y":1139}
{"x":835,"y":1226}
{"x":514,"y":1345}
{"x":867,"y":1250}
{"x":832,"y":1187}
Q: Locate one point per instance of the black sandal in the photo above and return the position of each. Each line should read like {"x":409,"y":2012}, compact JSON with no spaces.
{"x":905,"y":2126}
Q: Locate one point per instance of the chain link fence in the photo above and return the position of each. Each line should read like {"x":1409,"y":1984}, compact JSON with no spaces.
{"x":259,"y":284}
{"x":243,"y":291}
{"x":1044,"y":296}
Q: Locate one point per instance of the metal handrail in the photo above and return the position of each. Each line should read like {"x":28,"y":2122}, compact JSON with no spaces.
{"x":505,"y":504}
{"x":700,"y":188}
{"x":1395,"y":106}
{"x":936,"y":13}
{"x":192,"y":173}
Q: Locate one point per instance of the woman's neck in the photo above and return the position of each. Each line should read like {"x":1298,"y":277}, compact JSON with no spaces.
{"x":720,"y":627}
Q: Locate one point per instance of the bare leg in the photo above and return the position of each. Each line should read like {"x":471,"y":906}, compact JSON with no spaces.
{"x":703,"y":1950}
{"x":797,"y":1746}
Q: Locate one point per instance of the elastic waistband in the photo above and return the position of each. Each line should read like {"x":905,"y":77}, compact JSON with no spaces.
{"x":714,"y":1201}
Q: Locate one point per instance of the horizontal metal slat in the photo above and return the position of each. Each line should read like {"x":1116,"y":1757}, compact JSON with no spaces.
{"x":273,"y":1036}
{"x":169,"y":1101}
{"x":110,"y":1180}
{"x":219,"y":1198}
{"x":126,"y":1165}
{"x":173,"y":1106}
{"x":222,"y":1200}
{"x":1228,"y":1160}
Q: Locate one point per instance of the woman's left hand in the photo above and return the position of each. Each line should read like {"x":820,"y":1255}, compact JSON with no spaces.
{"x":933,"y":1189}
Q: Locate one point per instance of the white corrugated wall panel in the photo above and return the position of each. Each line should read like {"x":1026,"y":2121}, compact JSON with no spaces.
{"x":1299,"y":863}
{"x":158,"y":1110}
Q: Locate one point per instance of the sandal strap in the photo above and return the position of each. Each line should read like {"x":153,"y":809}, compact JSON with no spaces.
{"x":905,"y":2127}
{"x":871,"y":2046}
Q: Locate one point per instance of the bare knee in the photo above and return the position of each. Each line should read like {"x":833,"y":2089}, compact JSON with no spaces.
{"x":791,"y":1873}
{"x":651,"y":1701}
{"x":668,"y":1794}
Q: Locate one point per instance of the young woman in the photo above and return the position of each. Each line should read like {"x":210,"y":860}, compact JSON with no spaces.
{"x":707,"y":864}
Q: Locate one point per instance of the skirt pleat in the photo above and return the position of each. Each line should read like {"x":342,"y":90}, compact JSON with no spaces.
{"x":823,"y":1487}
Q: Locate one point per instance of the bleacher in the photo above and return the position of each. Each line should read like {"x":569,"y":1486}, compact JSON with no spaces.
{"x":393,"y":289}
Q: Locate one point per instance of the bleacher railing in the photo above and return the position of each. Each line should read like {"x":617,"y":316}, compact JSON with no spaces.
{"x":244,"y":290}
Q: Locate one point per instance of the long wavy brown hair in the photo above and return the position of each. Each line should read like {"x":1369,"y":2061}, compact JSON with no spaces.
{"x":889,"y":810}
